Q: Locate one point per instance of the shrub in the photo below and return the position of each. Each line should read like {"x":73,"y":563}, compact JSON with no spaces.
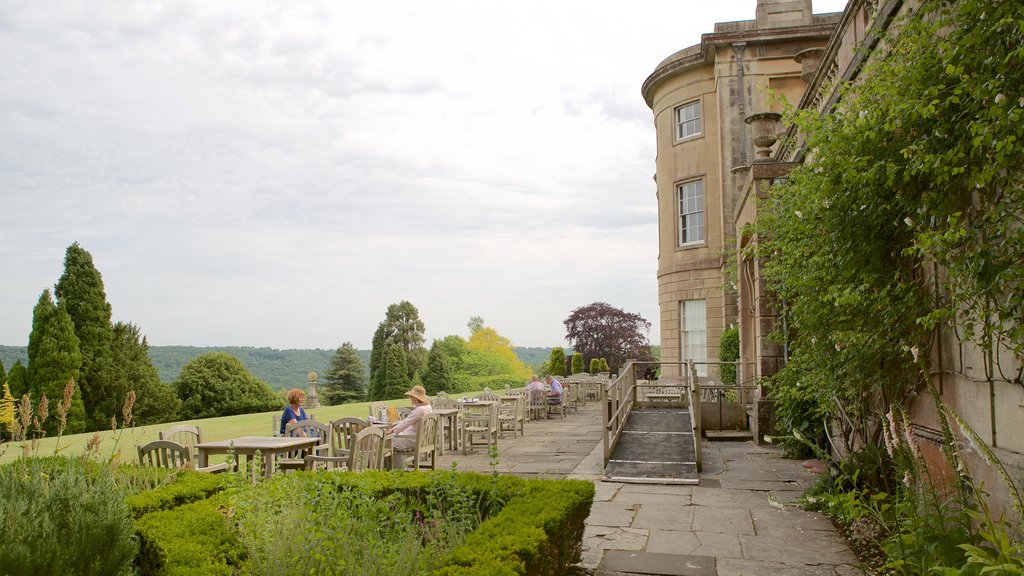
{"x":556,"y":363}
{"x":595,"y":365}
{"x":729,"y":351}
{"x":64,"y":516}
{"x":577,"y":362}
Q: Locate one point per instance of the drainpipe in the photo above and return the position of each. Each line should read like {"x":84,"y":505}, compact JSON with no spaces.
{"x":738,"y":49}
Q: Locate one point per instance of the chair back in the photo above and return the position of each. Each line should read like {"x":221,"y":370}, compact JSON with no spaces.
{"x":185,"y":434}
{"x":312,"y":429}
{"x":441,"y":403}
{"x":367,"y":451}
{"x":488,"y":396}
{"x":538,"y":404}
{"x":376,"y":408}
{"x":343,"y":433}
{"x":426,"y":441}
{"x":164,"y":454}
{"x":441,"y":394}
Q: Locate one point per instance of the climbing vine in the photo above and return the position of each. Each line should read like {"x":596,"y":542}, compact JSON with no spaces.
{"x":908,"y":215}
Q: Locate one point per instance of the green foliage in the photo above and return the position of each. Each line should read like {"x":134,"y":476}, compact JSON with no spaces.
{"x":490,"y":354}
{"x":281,"y":369}
{"x":923,"y":151}
{"x":556,"y":363}
{"x":439,"y":375}
{"x":475,"y":323}
{"x":595,"y":365}
{"x":396,"y":374}
{"x":57,"y":360}
{"x":80,"y":290}
{"x":193,"y":539}
{"x":577,"y":363}
{"x":63,"y":517}
{"x":343,"y":382}
{"x":729,"y":351}
{"x":603,"y":367}
{"x":218,"y":384}
{"x":17,"y":379}
{"x":182,"y":487}
{"x":131,"y":370}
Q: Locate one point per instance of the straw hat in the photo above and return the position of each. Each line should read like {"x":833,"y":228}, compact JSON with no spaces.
{"x":419,"y":393}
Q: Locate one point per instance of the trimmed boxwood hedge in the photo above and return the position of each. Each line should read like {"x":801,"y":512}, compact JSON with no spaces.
{"x":530,"y":527}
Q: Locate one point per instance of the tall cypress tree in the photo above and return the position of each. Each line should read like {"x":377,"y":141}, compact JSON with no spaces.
{"x":80,"y":290}
{"x":17,"y":379}
{"x":155,"y":401}
{"x":57,"y":358}
{"x":396,"y":380}
{"x":343,"y":381}
{"x":375,"y":389}
{"x":40,"y":318}
{"x":439,"y":374}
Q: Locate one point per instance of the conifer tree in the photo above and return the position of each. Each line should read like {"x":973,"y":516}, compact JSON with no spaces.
{"x":375,"y":389}
{"x":595,"y":365}
{"x":343,"y":381}
{"x":7,"y":402}
{"x":577,"y":362}
{"x":556,"y":362}
{"x":57,"y":359}
{"x":396,"y":379}
{"x":156,"y":401}
{"x":44,"y":308}
{"x":3,"y":373}
{"x":439,"y":375}
{"x":17,"y":379}
{"x":80,"y":289}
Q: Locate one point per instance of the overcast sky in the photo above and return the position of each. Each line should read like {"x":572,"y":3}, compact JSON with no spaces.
{"x":254,"y":173}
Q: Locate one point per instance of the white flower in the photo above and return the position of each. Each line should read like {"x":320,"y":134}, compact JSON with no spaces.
{"x":863,"y":206}
{"x":799,"y":214}
{"x":1000,"y":98}
{"x":909,"y":221}
{"x":827,"y":203}
{"x":914,"y":352}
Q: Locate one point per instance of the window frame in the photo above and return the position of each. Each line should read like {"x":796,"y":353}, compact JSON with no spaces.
{"x":686,"y":334}
{"x":698,"y":119}
{"x":682,"y":213}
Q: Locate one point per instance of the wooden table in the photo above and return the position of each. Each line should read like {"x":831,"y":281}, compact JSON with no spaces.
{"x":449,"y":417}
{"x":268,"y":446}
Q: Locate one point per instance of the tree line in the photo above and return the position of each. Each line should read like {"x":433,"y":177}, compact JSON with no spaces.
{"x":76,"y":350}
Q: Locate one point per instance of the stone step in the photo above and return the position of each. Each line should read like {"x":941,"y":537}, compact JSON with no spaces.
{"x":728,"y":435}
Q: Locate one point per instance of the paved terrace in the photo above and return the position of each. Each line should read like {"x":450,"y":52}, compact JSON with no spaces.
{"x":726,"y":526}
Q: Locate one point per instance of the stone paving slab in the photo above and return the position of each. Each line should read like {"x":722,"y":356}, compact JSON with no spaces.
{"x":741,"y":515}
{"x":660,"y":564}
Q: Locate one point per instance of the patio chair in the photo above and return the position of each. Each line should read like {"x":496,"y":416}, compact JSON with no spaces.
{"x":343,"y":432}
{"x":426,"y":444}
{"x":477,"y":421}
{"x":367,"y":452}
{"x":488,"y":396}
{"x":557,"y":405}
{"x":448,"y":427}
{"x":538,"y":407}
{"x":512,"y":415}
{"x":169,"y":454}
{"x":187,"y":435}
{"x":311,"y":428}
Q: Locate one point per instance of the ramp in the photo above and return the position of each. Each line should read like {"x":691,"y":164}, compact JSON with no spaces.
{"x":656,"y":447}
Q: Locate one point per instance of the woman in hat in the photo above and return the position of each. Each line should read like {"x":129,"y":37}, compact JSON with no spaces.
{"x":405,"y":430}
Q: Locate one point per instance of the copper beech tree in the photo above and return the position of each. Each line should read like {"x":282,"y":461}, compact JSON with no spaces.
{"x":600,"y":330}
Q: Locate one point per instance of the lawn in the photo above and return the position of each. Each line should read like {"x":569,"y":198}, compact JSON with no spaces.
{"x":125,"y":441}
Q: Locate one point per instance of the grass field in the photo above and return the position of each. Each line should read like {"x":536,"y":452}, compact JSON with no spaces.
{"x":124,"y":441}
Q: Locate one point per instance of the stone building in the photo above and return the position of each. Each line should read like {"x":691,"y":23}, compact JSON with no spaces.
{"x":701,"y":97}
{"x":716,"y":137}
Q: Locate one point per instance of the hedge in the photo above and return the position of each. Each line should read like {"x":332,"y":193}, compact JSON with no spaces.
{"x":530,"y":527}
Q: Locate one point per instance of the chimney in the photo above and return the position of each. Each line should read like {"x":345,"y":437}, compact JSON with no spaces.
{"x":780,"y":13}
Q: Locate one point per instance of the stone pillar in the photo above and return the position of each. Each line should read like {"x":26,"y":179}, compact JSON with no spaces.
{"x":312,"y":399}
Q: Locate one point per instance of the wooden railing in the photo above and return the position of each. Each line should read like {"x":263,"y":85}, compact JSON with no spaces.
{"x":617,"y":400}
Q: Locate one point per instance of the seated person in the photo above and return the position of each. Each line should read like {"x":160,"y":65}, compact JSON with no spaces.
{"x":535,"y":384}
{"x":554,"y":390}
{"x":294,"y":412}
{"x":405,"y":430}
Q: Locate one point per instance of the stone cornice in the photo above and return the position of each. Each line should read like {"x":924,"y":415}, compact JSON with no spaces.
{"x":702,"y":53}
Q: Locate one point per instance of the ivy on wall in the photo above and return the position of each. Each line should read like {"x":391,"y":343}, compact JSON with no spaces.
{"x":908,"y":215}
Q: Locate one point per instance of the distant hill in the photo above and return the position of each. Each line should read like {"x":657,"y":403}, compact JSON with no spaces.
{"x":282,"y":369}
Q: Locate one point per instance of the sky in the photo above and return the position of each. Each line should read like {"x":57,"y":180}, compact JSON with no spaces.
{"x":271,"y":173}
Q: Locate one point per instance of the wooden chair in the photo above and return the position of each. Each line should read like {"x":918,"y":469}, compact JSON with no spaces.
{"x":448,"y":427}
{"x":426,"y":443}
{"x":276,"y":422}
{"x":311,"y":428}
{"x":476,"y":421}
{"x":557,"y":405}
{"x":187,"y":435}
{"x":343,"y":432}
{"x":488,"y":396}
{"x":367,"y":452}
{"x":376,"y":408}
{"x":168,"y":454}
{"x":538,"y":404}
{"x":512,"y":415}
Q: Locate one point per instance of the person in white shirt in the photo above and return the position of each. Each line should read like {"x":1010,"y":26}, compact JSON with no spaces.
{"x":535,"y":384}
{"x":554,"y":390}
{"x":405,"y":430}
